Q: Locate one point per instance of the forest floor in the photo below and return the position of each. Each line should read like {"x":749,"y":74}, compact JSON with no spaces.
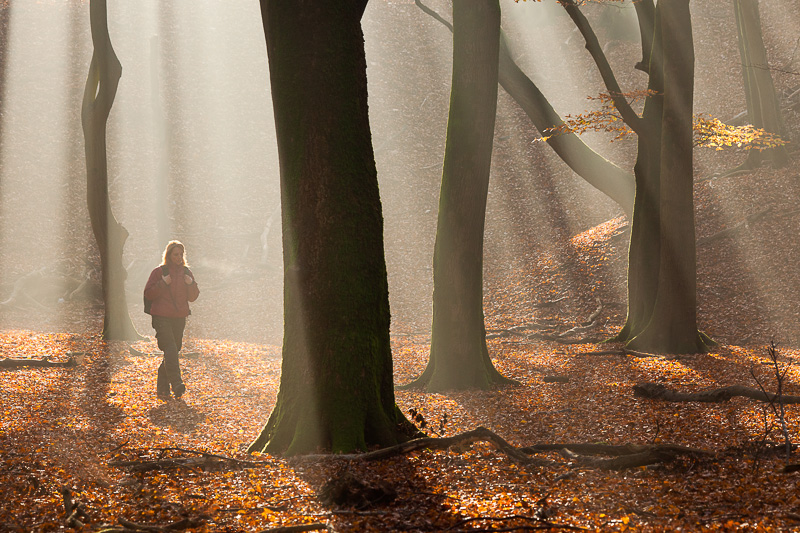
{"x":95,"y":434}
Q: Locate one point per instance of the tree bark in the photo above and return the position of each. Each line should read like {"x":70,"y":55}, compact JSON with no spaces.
{"x":645,"y":248}
{"x":101,"y":88}
{"x":673,"y":325}
{"x":459,"y":356}
{"x":336,"y":391}
{"x":763,"y":107}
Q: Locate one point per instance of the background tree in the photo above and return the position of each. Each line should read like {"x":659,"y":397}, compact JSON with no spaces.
{"x":672,"y":327}
{"x":598,"y":171}
{"x":763,"y":108}
{"x":5,"y":23}
{"x":459,"y":356}
{"x":661,"y":261}
{"x":336,"y":391}
{"x":105,"y":71}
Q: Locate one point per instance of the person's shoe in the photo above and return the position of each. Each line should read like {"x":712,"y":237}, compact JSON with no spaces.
{"x":179,"y":390}
{"x":163,"y":395}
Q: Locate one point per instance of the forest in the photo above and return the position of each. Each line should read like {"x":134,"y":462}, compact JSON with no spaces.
{"x":462,"y":265}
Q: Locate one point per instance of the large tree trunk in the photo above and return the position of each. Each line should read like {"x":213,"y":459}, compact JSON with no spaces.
{"x":645,"y":14}
{"x":101,"y":88}
{"x":336,"y":392}
{"x":459,"y":356}
{"x":763,"y":107}
{"x":673,"y":325}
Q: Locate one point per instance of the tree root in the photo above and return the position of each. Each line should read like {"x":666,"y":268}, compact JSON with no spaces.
{"x":629,"y":456}
{"x":729,"y":232}
{"x":656,"y":391}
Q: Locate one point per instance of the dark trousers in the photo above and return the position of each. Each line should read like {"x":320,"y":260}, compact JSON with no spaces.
{"x":169,"y":334}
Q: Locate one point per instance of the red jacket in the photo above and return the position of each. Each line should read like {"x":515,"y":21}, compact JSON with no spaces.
{"x":170,"y":300}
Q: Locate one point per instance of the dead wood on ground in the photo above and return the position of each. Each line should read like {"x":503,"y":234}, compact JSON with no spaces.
{"x":656,"y":391}
{"x":9,"y":362}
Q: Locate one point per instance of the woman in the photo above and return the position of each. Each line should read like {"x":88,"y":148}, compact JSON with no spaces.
{"x":169,"y":290}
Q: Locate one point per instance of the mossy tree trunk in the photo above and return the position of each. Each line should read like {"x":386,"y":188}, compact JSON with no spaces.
{"x":336,"y":391}
{"x":98,"y":97}
{"x":459,"y":356}
{"x":672,"y":327}
{"x":763,"y":108}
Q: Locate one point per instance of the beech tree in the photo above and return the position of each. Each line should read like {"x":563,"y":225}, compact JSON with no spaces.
{"x":105,"y":71}
{"x":662,"y":300}
{"x":595,"y":169}
{"x":672,"y":326}
{"x":336,"y":391}
{"x":763,"y":108}
{"x":459,"y":357}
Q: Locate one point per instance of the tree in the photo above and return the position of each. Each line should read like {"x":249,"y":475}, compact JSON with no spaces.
{"x":5,"y":19}
{"x":672,"y":326}
{"x":763,"y":108}
{"x":662,"y":300}
{"x":105,"y":71}
{"x":336,"y":390}
{"x":459,"y":356}
{"x":598,"y":171}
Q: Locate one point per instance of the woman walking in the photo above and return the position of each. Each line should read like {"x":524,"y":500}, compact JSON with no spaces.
{"x":169,"y":290}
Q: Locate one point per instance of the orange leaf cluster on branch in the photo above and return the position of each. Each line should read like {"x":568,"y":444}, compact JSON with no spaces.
{"x":708,"y":131}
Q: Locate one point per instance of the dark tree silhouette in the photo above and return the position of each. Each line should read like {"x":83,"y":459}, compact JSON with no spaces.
{"x":459,"y":356}
{"x":98,"y":97}
{"x":336,"y":390}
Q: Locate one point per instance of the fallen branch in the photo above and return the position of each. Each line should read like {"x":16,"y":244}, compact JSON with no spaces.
{"x":298,"y":528}
{"x":656,"y":391}
{"x":206,"y":461}
{"x":135,"y":527}
{"x":18,"y":363}
{"x":515,"y":330}
{"x":74,"y":511}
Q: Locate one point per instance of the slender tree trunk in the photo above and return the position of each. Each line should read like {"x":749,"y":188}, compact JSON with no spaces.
{"x":646,"y":15}
{"x":762,"y":102}
{"x":645,"y":244}
{"x":101,"y":88}
{"x":336,"y":390}
{"x":459,"y":355}
{"x":5,"y":26}
{"x":161,"y":144}
{"x":673,"y":325}
{"x":598,"y":171}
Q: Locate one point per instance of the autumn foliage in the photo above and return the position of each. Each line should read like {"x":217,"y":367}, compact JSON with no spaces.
{"x":709,"y":131}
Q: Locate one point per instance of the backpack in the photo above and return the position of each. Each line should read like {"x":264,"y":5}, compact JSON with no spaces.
{"x":164,"y":272}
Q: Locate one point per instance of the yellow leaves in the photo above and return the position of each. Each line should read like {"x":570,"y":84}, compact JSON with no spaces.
{"x":712,"y":132}
{"x":708,"y":131}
